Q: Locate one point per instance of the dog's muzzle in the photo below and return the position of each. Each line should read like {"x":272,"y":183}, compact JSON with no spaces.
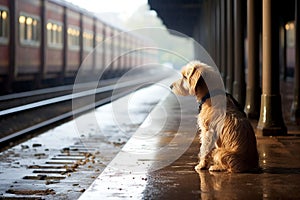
{"x":171,"y":86}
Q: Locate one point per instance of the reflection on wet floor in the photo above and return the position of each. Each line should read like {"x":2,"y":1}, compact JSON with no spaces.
{"x":278,"y":177}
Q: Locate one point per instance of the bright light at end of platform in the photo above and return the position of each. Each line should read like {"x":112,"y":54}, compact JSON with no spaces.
{"x":289,"y":26}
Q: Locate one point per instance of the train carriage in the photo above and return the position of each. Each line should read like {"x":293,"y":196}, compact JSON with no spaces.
{"x":132,"y":54}
{"x":88,"y":43}
{"x":44,"y":42}
{"x":140,"y":52}
{"x":73,"y":43}
{"x":122,"y":49}
{"x":28,"y":48}
{"x":99,"y":49}
{"x":128,"y":50}
{"x":4,"y":38}
{"x":54,"y":44}
{"x":116,"y":51}
{"x":108,"y":45}
{"x":113,"y":53}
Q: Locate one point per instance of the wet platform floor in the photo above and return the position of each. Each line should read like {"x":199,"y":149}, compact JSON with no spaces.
{"x":158,"y":163}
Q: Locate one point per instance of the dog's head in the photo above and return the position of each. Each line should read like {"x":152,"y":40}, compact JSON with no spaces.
{"x":196,"y":77}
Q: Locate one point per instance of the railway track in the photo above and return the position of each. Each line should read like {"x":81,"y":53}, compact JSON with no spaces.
{"x":62,"y":162}
{"x":22,"y":98}
{"x":18,"y":122}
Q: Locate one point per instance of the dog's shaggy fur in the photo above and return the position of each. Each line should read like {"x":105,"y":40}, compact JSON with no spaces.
{"x":227,"y":138}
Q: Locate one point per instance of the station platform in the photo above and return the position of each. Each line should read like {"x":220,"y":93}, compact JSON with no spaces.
{"x":158,"y":163}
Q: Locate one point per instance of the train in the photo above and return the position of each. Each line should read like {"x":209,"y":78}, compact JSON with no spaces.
{"x":44,"y":42}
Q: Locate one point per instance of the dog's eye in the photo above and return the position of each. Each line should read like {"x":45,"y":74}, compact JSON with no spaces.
{"x":184,"y":77}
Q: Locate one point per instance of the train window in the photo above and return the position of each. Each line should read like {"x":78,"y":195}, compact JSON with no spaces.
{"x":73,"y":38}
{"x":4,"y":25}
{"x":99,"y":39}
{"x":29,"y":30}
{"x":55,"y":34}
{"x":108,"y":44}
{"x":88,"y":40}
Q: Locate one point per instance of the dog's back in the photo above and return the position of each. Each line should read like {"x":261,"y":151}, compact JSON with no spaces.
{"x":238,"y":147}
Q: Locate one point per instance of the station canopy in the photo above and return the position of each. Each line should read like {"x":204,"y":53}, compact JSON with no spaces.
{"x":183,"y":15}
{"x":179,"y":15}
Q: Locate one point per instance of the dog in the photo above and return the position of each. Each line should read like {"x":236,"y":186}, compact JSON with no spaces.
{"x":227,"y":139}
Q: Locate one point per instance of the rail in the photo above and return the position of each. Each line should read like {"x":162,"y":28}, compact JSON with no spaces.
{"x":141,"y":82}
{"x":69,"y":97}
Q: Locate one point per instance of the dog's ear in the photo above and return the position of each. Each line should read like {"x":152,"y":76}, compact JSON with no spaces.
{"x":194,"y":75}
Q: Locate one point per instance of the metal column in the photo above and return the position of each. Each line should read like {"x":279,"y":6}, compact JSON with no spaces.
{"x":223,"y":40}
{"x":230,"y":46}
{"x":253,"y":80}
{"x":271,"y":120}
{"x":283,"y":48}
{"x":295,"y":115}
{"x":218,"y":34}
{"x":239,"y":84}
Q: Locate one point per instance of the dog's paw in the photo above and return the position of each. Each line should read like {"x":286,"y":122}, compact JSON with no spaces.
{"x":216,"y":168}
{"x":201,"y":166}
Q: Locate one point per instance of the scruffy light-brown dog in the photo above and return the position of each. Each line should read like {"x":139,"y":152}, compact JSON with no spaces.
{"x":227,"y":138}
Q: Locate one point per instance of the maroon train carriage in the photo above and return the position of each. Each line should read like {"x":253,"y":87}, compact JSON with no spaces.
{"x":111,"y":41}
{"x":128,"y":50}
{"x":119,"y":50}
{"x":133,"y":47}
{"x":123,"y":51}
{"x":54,"y":64}
{"x":88,"y":43}
{"x":116,"y":51}
{"x":108,"y":45}
{"x":28,"y":48}
{"x":73,"y":43}
{"x":99,"y":48}
{"x":4,"y":39}
{"x":141,"y":46}
{"x":43,"y":40}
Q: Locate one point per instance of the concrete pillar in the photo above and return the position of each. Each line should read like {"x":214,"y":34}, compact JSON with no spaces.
{"x":223,"y":40}
{"x":270,"y":120}
{"x":230,"y":46}
{"x":253,"y":80}
{"x":295,"y":115}
{"x":239,"y":85}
